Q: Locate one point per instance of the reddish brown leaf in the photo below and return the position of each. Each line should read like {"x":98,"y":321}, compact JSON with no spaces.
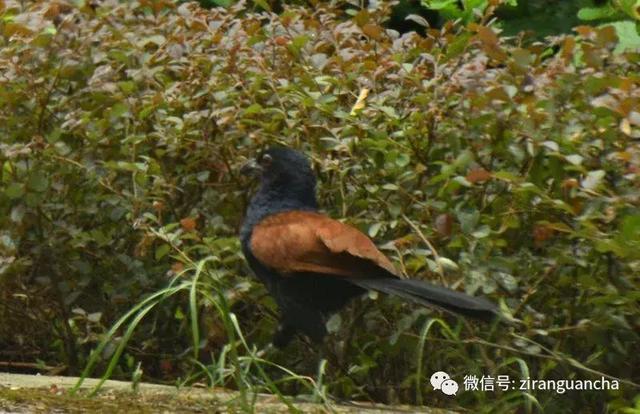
{"x":188,"y":224}
{"x":166,"y":367}
{"x":443,"y":223}
{"x":281,"y":40}
{"x":478,"y":175}
{"x":404,"y":241}
{"x":51,"y":12}
{"x":177,"y":267}
{"x":490,"y":42}
{"x":541,"y":233}
{"x":584,"y":31}
{"x":606,"y":36}
{"x":158,"y":206}
{"x":568,"y":47}
{"x":487,"y":35}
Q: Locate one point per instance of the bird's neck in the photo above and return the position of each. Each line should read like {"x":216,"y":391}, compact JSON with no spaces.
{"x":275,"y":199}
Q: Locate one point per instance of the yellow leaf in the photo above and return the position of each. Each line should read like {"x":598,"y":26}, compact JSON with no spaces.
{"x":364,"y":92}
{"x":625,"y":126}
{"x":372,"y":30}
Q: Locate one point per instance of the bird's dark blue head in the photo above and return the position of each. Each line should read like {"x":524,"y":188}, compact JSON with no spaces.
{"x":280,"y":166}
{"x":287,"y":182}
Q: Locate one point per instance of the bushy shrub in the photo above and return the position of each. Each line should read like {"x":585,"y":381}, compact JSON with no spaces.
{"x":502,"y":169}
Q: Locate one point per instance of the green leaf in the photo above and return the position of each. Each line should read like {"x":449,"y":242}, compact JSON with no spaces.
{"x":597,"y":13}
{"x":38,"y":182}
{"x":447,"y":263}
{"x":374,"y":229}
{"x":299,"y":42}
{"x":264,"y":4}
{"x":203,"y":176}
{"x":462,"y":181}
{"x":482,"y":232}
{"x":630,"y":228}
{"x":628,"y":38}
{"x":610,"y":245}
{"x":468,"y":220}
{"x":17,"y":213}
{"x":127,"y":86}
{"x":574,"y":159}
{"x":403,"y":160}
{"x":162,"y":251}
{"x":630,"y":7}
{"x":389,"y":111}
{"x":440,"y":4}
{"x":506,"y":176}
{"x":458,"y":46}
{"x":334,"y":323}
{"x":157,"y":39}
{"x":14,"y":190}
{"x":146,"y":111}
{"x":119,"y":110}
{"x":593,"y":179}
{"x":252,"y":109}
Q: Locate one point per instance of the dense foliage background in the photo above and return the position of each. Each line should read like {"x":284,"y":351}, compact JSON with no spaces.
{"x":504,"y":167}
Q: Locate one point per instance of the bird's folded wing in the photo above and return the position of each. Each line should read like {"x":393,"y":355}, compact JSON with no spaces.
{"x":305,"y":241}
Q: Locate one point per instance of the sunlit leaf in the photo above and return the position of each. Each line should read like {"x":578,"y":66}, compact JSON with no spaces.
{"x":593,"y":179}
{"x":360,"y":102}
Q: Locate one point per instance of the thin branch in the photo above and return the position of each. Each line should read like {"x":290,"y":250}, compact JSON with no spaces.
{"x":51,"y":370}
{"x":426,"y":241}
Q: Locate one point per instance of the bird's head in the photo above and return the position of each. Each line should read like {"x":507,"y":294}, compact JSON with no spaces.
{"x":283,"y":170}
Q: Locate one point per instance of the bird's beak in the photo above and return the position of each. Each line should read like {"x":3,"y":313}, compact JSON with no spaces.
{"x":251,"y":168}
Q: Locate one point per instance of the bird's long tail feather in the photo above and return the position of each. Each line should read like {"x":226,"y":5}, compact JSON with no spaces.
{"x":432,"y":296}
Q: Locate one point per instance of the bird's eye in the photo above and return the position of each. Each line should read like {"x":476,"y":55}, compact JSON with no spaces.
{"x":265,"y":160}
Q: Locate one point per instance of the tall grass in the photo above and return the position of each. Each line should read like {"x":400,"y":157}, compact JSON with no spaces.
{"x":238,"y":361}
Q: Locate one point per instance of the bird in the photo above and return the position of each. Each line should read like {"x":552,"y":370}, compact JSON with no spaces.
{"x":313,"y":265}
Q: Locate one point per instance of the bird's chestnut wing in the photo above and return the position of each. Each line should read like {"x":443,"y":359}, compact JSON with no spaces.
{"x":304,"y":241}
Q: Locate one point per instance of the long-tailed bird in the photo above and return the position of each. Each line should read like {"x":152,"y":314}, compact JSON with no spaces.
{"x":313,"y":265}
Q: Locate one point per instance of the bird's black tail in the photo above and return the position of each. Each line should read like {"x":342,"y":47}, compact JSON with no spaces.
{"x":432,"y":296}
